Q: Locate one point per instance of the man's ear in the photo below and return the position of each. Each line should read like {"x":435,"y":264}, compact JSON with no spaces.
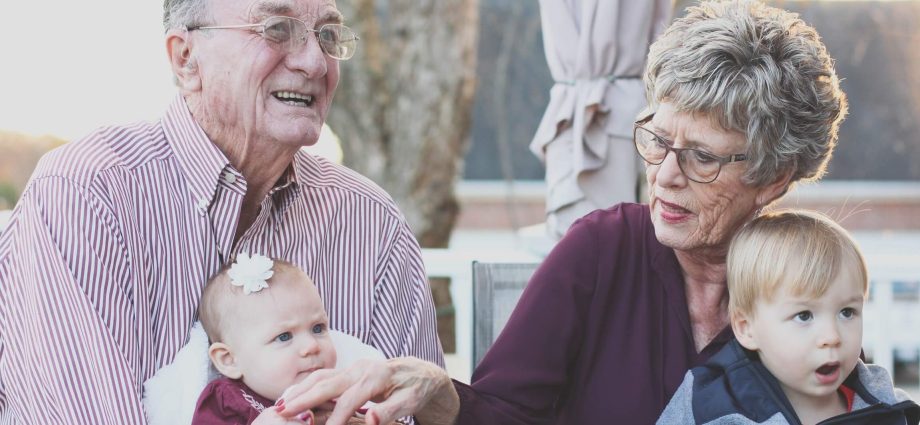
{"x":773,"y":190}
{"x":181,"y":60}
{"x":223,"y":360}
{"x":741,"y":326}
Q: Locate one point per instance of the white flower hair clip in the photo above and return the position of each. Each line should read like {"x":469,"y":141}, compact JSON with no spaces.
{"x":251,"y":272}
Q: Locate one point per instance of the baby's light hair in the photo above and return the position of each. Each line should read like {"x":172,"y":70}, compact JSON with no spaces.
{"x":218,"y":296}
{"x":794,"y":250}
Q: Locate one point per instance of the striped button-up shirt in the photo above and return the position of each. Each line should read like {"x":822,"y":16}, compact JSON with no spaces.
{"x":105,"y":256}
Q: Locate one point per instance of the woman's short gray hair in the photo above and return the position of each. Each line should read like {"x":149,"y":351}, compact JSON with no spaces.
{"x":758,"y":70}
{"x":184,"y":13}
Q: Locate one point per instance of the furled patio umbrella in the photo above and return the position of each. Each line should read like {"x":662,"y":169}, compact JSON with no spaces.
{"x":596,"y":53}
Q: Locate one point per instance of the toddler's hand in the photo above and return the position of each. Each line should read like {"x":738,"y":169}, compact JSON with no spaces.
{"x":270,"y":416}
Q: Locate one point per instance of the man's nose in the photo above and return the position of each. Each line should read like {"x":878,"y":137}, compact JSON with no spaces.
{"x":308,"y":56}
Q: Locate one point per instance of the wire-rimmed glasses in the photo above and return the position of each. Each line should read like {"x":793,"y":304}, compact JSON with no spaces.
{"x":288,"y":34}
{"x":697,"y":165}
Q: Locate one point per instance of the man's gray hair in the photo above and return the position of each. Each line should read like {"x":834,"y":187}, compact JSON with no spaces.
{"x":184,"y":13}
{"x":758,"y":70}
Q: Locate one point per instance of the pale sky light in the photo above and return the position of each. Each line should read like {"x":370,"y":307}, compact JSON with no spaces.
{"x":71,"y":66}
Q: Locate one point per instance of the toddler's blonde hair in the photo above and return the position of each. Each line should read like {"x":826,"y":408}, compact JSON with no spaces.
{"x":794,"y":250}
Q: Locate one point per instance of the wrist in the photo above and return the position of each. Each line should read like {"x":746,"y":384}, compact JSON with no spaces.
{"x":439,"y":401}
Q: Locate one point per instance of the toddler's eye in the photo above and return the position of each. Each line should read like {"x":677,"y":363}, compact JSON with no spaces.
{"x":802,"y":316}
{"x":283,"y":337}
{"x":848,"y":313}
{"x":319,"y":328}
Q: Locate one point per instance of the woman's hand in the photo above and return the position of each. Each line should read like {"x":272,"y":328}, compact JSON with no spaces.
{"x":403,"y":386}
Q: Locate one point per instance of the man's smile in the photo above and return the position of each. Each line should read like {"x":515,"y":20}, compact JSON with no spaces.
{"x":294,"y":98}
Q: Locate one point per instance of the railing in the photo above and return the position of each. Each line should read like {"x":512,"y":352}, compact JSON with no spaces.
{"x":892,"y":314}
{"x":891,"y":321}
{"x":457,"y":265}
{"x":4,"y":218}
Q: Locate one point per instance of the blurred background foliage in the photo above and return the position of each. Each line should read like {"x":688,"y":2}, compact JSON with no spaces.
{"x":18,"y":155}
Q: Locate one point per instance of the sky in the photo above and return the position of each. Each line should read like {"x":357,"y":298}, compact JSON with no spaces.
{"x":81,"y":65}
{"x":86,"y":65}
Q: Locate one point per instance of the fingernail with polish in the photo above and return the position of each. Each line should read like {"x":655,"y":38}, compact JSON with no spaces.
{"x":307,"y":417}
{"x":280,"y":402}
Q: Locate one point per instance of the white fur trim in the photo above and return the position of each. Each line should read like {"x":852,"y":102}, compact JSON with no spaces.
{"x":348,"y":349}
{"x":170,"y":395}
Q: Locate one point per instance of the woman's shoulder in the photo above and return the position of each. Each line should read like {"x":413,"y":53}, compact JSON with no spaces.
{"x":622,"y":212}
{"x":609,"y":238}
{"x":626,"y":222}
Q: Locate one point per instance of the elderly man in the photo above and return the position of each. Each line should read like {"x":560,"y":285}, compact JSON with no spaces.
{"x":103,"y":262}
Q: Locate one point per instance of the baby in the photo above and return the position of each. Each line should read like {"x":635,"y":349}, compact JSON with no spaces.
{"x":797,"y":283}
{"x":268,"y":330}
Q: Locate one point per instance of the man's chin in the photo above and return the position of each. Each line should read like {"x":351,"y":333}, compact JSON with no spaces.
{"x":296,"y":137}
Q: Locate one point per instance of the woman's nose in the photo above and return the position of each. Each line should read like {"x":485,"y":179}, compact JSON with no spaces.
{"x":669,"y":173}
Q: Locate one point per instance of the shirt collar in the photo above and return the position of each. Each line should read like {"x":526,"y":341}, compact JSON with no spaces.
{"x":203,"y":163}
{"x":200,"y":160}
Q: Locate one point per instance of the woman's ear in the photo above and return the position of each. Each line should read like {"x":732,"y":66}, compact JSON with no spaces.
{"x":181,"y":60}
{"x":741,"y":326}
{"x":773,"y":190}
{"x":223,"y":360}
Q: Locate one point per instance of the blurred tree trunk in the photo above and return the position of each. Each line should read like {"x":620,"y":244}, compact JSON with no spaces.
{"x":404,"y":103}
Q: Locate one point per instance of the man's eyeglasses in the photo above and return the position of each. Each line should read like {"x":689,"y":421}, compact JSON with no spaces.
{"x":697,"y":165}
{"x":289,"y":34}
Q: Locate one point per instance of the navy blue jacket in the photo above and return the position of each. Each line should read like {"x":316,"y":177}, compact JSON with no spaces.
{"x":734,"y":387}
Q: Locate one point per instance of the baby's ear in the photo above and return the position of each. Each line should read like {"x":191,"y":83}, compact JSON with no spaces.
{"x":741,"y":326}
{"x":224,"y":361}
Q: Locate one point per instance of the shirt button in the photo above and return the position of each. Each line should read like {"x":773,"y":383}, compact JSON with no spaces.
{"x":202,"y":204}
{"x":229,"y":178}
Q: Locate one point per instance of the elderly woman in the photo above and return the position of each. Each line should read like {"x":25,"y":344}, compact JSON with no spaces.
{"x":743,"y":102}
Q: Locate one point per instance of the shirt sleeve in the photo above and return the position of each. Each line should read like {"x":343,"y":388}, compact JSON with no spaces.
{"x":66,"y":318}
{"x":525,"y":372}
{"x":220,"y":403}
{"x":403,"y":322}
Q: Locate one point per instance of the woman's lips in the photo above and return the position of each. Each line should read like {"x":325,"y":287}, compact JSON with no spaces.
{"x":828,"y":373}
{"x":673,"y":213}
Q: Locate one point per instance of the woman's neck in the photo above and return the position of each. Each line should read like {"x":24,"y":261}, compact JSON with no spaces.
{"x":707,"y":294}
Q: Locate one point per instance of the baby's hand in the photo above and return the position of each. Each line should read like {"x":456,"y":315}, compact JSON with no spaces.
{"x":270,"y":416}
{"x":354,"y":420}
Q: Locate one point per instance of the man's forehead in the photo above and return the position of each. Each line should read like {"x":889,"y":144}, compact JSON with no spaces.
{"x":320,"y":10}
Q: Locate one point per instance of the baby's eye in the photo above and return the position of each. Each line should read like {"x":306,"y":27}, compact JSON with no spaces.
{"x":319,"y":328}
{"x":283,"y":337}
{"x":848,"y":313}
{"x":802,"y":316}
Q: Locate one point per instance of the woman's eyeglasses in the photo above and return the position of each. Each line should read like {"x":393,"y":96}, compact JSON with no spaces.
{"x":697,"y":165}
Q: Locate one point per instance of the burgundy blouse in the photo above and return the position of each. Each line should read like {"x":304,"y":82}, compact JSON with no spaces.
{"x":226,"y":401}
{"x":601,"y":334}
